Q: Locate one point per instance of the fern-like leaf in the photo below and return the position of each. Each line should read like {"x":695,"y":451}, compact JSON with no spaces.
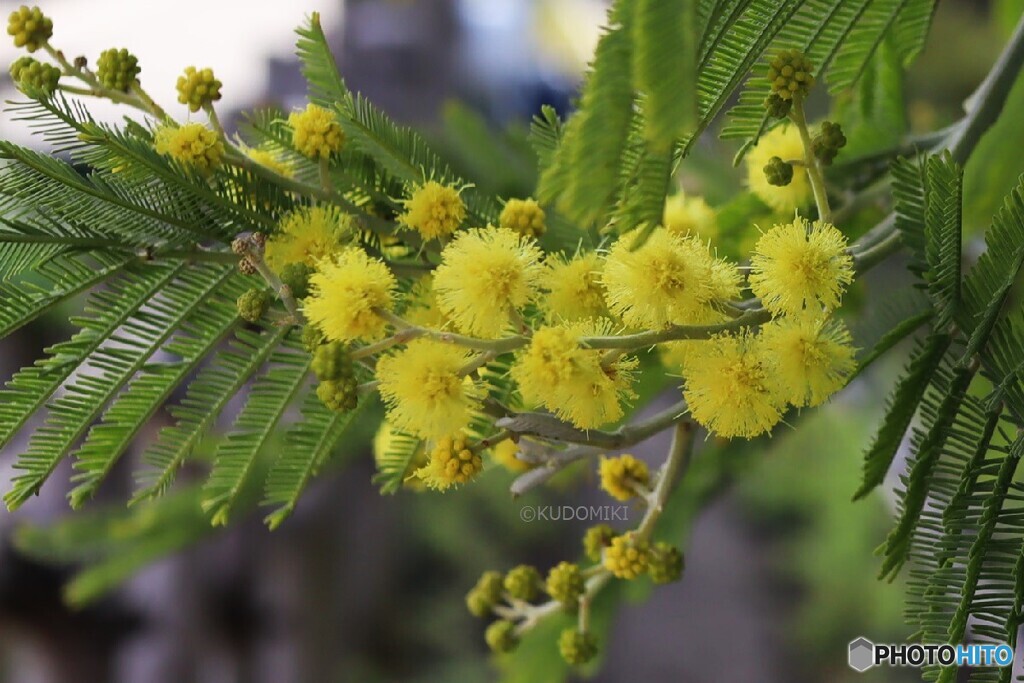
{"x":266,"y":403}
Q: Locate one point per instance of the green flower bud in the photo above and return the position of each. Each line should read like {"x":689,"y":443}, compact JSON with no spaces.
{"x":666,"y":563}
{"x":117,"y":69}
{"x":30,"y":27}
{"x":501,"y":636}
{"x":198,"y":88}
{"x":576,"y":647}
{"x":296,"y":276}
{"x":597,"y":539}
{"x":827,"y":143}
{"x":778,"y":172}
{"x":777,"y":107}
{"x":253,"y":304}
{"x":341,"y":395}
{"x":485,"y":594}
{"x":332,"y":361}
{"x":523,"y":582}
{"x":790,"y":73}
{"x":28,"y":74}
{"x":565,"y":584}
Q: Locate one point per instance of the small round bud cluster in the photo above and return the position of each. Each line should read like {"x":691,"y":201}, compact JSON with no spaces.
{"x":246,"y":266}
{"x":577,"y":647}
{"x":296,"y":276}
{"x":451,"y":462}
{"x":596,"y":539}
{"x":666,"y":563}
{"x":485,"y":594}
{"x":191,"y":144}
{"x":312,"y":337}
{"x":627,"y":557}
{"x":28,"y":73}
{"x":198,"y":88}
{"x":523,"y":582}
{"x":523,"y":216}
{"x":316,"y":132}
{"x":778,"y":172}
{"x":827,"y":143}
{"x":777,"y":107}
{"x":332,"y":361}
{"x":790,"y":73}
{"x":565,"y":584}
{"x":501,"y":636}
{"x":117,"y":69}
{"x":339,"y":395}
{"x":623,"y":476}
{"x":29,"y":27}
{"x":252,"y":304}
{"x":338,"y":388}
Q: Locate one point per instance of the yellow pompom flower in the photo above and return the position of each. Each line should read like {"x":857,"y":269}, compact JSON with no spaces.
{"x":813,"y":357}
{"x":623,"y":476}
{"x":306,"y":236}
{"x":732,"y":390}
{"x":484,"y":276}
{"x":523,"y":216}
{"x":451,"y":463}
{"x":434,"y":210}
{"x":316,"y":132}
{"x":799,"y":265}
{"x":268,"y":159}
{"x":554,"y":371}
{"x":690,"y":216}
{"x":574,"y":288}
{"x":345,"y":290}
{"x":783,"y":142}
{"x":669,"y":280}
{"x":424,"y":390}
{"x":504,"y":453}
{"x":191,"y":144}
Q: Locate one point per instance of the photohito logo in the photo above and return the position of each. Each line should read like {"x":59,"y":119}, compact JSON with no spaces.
{"x":864,"y":654}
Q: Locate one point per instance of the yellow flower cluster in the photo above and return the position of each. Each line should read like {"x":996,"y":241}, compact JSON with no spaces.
{"x":670,"y":279}
{"x":348,"y":291}
{"x":523,"y":216}
{"x":316,"y":132}
{"x":574,"y":382}
{"x":485,"y":278}
{"x":434,"y":210}
{"x":690,"y":216}
{"x":424,"y":390}
{"x":624,"y":477}
{"x":307,"y":235}
{"x":191,"y":144}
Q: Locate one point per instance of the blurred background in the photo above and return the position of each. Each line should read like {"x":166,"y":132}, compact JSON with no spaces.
{"x":359,"y":587}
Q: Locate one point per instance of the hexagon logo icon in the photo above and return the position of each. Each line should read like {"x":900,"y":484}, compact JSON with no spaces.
{"x":862,"y":655}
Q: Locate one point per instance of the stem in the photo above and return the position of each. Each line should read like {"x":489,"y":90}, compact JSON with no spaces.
{"x":144,"y":97}
{"x":676,"y":332}
{"x":325,"y":175}
{"x":678,"y":459}
{"x":502,"y":345}
{"x":873,"y":255}
{"x":211,"y":113}
{"x":986,"y":104}
{"x":814,"y":174}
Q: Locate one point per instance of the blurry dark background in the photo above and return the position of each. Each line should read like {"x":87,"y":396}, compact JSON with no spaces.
{"x":358,"y":587}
